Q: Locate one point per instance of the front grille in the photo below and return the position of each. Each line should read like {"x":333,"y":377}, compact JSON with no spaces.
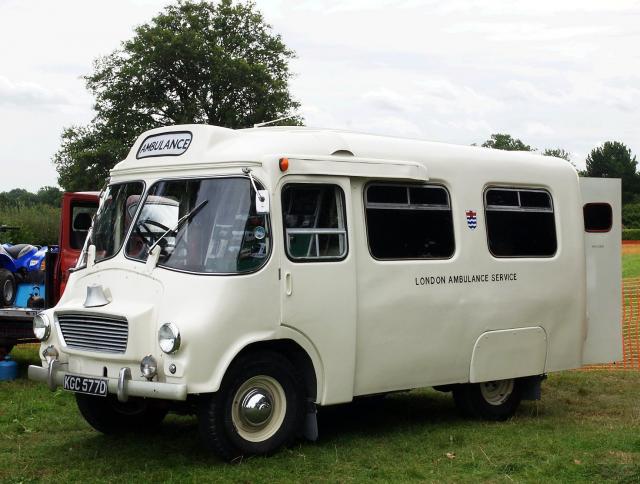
{"x":94,"y":332}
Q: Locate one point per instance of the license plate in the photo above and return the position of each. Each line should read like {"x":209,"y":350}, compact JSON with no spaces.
{"x":84,"y":384}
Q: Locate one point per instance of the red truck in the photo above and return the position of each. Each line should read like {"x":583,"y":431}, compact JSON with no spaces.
{"x":75,"y":220}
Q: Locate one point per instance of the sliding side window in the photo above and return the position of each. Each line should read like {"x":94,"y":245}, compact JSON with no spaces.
{"x":520,"y":222}
{"x":314,"y":222}
{"x":409,"y":221}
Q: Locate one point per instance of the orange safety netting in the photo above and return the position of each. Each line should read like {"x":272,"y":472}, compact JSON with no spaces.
{"x":630,"y":329}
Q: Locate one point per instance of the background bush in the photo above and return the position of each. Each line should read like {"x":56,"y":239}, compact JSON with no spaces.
{"x":38,"y":224}
{"x":630,"y":234}
{"x":631,"y":215}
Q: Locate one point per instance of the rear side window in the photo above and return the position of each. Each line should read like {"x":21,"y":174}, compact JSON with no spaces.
{"x":520,"y":222}
{"x":409,"y":222}
{"x":314,"y":222}
{"x":598,"y":217}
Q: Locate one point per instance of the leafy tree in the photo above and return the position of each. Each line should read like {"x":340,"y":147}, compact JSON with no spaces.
{"x":195,"y":62}
{"x":631,"y":215}
{"x":503,"y":141}
{"x":558,"y":153}
{"x":19,"y":197}
{"x":613,"y":160}
{"x":51,"y":196}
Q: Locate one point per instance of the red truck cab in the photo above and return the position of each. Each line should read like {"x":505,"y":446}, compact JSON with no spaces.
{"x":76,"y":216}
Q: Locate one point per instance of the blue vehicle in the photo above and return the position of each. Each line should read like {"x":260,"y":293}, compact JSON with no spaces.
{"x":22,"y":274}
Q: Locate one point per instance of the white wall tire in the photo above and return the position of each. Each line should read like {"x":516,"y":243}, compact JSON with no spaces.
{"x":497,"y":392}
{"x":248,"y":414}
{"x":258,"y":409}
{"x":495,"y":400}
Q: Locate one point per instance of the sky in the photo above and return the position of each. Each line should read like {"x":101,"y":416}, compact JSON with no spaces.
{"x":560,"y":73}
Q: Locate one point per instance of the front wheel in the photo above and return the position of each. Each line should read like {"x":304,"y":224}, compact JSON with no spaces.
{"x":492,"y":400}
{"x":258,"y":409}
{"x":109,"y":416}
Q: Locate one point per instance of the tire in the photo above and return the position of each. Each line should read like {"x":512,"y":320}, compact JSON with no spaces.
{"x":109,"y":416}
{"x":495,"y":400}
{"x":267,"y":381}
{"x":7,"y":288}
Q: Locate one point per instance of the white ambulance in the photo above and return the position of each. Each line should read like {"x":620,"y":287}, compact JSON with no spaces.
{"x":252,"y":275}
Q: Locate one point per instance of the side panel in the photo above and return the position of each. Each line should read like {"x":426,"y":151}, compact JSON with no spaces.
{"x":509,"y":353}
{"x":603,"y":343}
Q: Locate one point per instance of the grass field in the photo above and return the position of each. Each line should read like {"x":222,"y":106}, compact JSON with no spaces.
{"x":585,"y":428}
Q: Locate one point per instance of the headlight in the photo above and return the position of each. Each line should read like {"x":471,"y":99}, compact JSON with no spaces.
{"x":42,"y":327}
{"x":169,"y":338}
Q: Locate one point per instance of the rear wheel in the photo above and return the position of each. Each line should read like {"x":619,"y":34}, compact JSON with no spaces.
{"x":258,"y":409}
{"x":7,"y":288}
{"x":109,"y":416}
{"x":492,"y":400}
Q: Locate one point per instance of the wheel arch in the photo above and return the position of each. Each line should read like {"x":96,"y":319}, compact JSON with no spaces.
{"x":288,"y":343}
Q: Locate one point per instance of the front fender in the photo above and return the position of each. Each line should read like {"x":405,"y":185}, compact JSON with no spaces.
{"x":6,"y":262}
{"x":282,"y":333}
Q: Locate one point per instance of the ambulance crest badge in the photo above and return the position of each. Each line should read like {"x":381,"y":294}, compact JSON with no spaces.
{"x":472,"y":221}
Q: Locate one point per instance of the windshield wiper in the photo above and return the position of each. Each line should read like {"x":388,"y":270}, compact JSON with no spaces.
{"x":176,"y":227}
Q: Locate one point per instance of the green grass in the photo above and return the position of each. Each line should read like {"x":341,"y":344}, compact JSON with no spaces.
{"x":585,"y":428}
{"x":630,"y":265}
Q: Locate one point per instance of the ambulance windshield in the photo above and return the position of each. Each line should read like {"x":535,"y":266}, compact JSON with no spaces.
{"x":113,"y":219}
{"x":220,"y":230}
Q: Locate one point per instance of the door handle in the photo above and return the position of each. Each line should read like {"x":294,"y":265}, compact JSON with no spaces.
{"x":288,"y":285}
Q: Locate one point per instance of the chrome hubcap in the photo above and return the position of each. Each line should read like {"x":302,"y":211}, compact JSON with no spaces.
{"x":256,"y":406}
{"x":258,"y":409}
{"x":496,"y":392}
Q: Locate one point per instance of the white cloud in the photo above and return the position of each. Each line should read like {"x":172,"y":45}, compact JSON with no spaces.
{"x":538,"y":129}
{"x":29,"y":94}
{"x":387,"y":100}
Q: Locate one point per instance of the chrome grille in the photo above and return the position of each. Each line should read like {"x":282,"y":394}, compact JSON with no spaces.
{"x":94,"y":332}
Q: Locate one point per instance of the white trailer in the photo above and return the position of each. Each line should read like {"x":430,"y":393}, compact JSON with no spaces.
{"x":255,"y":274}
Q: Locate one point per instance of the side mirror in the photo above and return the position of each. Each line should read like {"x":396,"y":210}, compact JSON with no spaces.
{"x":262,"y":201}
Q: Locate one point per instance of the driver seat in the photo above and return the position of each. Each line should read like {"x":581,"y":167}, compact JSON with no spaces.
{"x":18,"y":250}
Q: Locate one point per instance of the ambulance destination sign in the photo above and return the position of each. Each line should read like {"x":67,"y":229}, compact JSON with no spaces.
{"x":165,"y":144}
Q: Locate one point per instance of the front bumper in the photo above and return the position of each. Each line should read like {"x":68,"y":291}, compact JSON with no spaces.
{"x":122,"y":386}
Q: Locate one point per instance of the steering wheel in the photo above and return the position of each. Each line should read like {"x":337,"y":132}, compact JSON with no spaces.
{"x":148,"y":236}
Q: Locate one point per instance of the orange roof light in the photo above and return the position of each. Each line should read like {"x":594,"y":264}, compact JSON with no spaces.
{"x":284,"y":164}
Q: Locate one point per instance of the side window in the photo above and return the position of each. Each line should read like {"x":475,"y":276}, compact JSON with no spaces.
{"x":409,"y":221}
{"x":598,"y":217}
{"x":520,"y":222}
{"x":81,"y":217}
{"x":314,"y":222}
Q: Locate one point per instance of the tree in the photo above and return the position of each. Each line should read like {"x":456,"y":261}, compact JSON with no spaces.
{"x":49,"y":196}
{"x":613,"y":160}
{"x":19,"y":197}
{"x":558,"y":153}
{"x":631,"y":215}
{"x":195,"y":62}
{"x":503,"y":141}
